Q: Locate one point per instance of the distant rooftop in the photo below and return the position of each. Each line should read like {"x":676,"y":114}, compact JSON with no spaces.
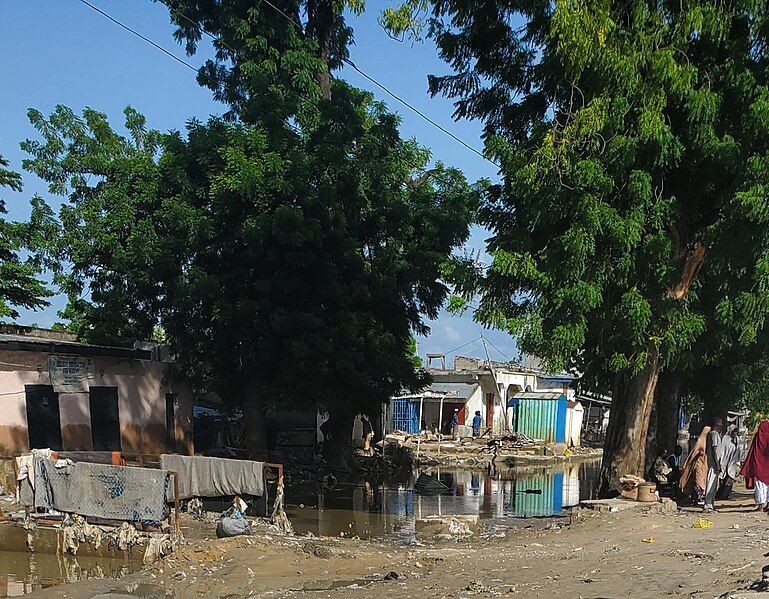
{"x":35,"y":339}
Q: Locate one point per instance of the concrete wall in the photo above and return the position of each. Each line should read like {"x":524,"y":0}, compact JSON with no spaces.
{"x":502,"y":387}
{"x":141,"y":385}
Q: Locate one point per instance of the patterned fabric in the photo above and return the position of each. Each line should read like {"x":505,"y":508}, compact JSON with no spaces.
{"x":102,"y":491}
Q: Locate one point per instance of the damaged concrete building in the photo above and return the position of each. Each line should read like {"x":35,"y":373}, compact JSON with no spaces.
{"x":60,"y":394}
{"x":473,"y":384}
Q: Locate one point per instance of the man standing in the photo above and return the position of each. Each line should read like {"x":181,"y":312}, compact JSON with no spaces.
{"x":713,"y":456}
{"x":455,"y":425}
{"x":477,"y":420}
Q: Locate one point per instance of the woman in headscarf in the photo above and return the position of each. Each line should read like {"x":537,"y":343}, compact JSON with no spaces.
{"x":694,"y":474}
{"x":756,"y":465}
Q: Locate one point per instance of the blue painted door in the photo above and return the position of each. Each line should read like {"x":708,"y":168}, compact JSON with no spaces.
{"x":405,"y":415}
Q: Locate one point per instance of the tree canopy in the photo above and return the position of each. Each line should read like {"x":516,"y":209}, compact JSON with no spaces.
{"x":633,"y":143}
{"x":20,"y":285}
{"x":290,"y":275}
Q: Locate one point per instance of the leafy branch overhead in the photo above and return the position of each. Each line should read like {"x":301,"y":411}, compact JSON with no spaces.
{"x":20,"y":286}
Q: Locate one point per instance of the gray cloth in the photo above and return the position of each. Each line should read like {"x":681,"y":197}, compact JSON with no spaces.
{"x":26,"y":493}
{"x":711,"y":488}
{"x":201,"y":476}
{"x":102,"y":491}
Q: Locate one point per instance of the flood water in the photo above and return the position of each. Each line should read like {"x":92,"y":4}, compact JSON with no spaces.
{"x":23,"y":573}
{"x":366,"y":509}
{"x":370,"y":509}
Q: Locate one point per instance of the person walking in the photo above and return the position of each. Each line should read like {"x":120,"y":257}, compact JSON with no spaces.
{"x":694,"y":474}
{"x":730,"y":462}
{"x":477,"y":420}
{"x":756,"y":465}
{"x":713,"y":456}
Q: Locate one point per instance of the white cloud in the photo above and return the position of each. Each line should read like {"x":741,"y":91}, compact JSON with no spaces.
{"x":451,"y":333}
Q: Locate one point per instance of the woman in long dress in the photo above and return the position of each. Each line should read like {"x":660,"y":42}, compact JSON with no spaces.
{"x":694,"y":474}
{"x":756,"y":465}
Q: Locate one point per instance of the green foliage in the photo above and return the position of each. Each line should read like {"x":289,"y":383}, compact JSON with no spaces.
{"x":406,"y":20}
{"x":102,"y":246}
{"x":20,"y":286}
{"x":269,"y":64}
{"x":633,"y":139}
{"x":413,"y":353}
{"x":301,"y":268}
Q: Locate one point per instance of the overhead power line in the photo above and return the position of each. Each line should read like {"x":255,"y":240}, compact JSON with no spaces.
{"x":419,"y":112}
{"x":162,"y":49}
{"x":451,"y":351}
{"x":355,"y":67}
{"x":139,"y":35}
{"x":384,"y":88}
{"x":509,"y":359}
{"x":347,"y":61}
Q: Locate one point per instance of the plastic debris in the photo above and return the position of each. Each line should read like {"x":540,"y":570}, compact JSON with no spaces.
{"x":702,"y":523}
{"x":648,"y":540}
{"x":158,"y":547}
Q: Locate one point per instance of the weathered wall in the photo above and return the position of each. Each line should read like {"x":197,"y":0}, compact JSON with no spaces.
{"x":141,"y":386}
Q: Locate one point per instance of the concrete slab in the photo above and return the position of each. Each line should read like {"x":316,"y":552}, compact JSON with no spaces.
{"x":621,"y":504}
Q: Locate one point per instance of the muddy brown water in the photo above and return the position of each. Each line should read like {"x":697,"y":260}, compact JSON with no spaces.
{"x":23,"y":573}
{"x":371,"y":509}
{"x":362,"y":508}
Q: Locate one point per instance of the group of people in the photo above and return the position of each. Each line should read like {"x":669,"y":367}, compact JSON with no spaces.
{"x":477,"y":421}
{"x":714,"y":464}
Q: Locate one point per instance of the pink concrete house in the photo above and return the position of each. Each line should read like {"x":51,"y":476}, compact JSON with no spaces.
{"x":57,"y":393}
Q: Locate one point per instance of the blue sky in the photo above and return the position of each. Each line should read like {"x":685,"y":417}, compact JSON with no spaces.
{"x":62,"y":52}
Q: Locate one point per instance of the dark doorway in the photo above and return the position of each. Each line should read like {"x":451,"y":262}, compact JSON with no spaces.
{"x":170,"y":422}
{"x":105,"y":420}
{"x":43,"y":422}
{"x":490,"y":410}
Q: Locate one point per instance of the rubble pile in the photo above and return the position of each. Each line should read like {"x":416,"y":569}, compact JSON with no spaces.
{"x":512,"y":449}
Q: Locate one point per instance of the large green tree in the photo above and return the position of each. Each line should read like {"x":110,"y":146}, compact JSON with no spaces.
{"x":273,"y":59}
{"x":287,"y":274}
{"x":633,"y":139}
{"x":20,"y":286}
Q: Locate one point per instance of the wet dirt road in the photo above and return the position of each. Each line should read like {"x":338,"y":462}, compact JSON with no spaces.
{"x":613,"y":555}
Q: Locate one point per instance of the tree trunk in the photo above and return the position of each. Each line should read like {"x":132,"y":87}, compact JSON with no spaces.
{"x":651,"y":436}
{"x":320,"y":24}
{"x":663,"y":424}
{"x":338,"y":450}
{"x":255,"y":422}
{"x":631,"y":407}
{"x":668,"y":399}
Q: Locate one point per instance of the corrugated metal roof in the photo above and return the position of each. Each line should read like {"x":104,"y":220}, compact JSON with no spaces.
{"x":558,"y":376}
{"x":454,"y":390}
{"x":538,"y":395}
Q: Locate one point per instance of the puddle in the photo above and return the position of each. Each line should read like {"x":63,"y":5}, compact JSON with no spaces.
{"x":23,"y":573}
{"x":363,"y":508}
{"x":371,"y":509}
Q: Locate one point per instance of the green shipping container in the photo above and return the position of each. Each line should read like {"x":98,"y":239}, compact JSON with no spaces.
{"x":540,"y":415}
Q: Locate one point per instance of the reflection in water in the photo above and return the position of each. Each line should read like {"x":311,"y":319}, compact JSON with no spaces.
{"x":374,"y":509}
{"x":23,"y":573}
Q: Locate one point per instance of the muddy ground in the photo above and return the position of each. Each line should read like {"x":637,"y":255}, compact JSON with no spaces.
{"x":622,"y":554}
